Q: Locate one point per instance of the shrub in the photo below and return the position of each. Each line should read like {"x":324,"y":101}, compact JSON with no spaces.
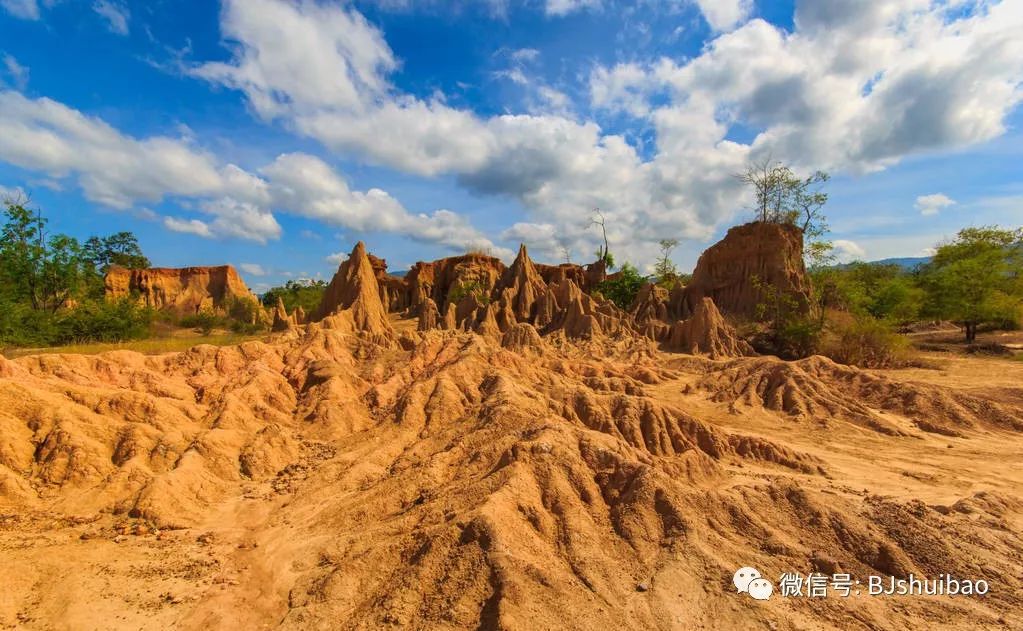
{"x":867,"y":343}
{"x":88,"y":321}
{"x":466,"y":288}
{"x":307,"y":295}
{"x":204,"y":321}
{"x":622,"y":287}
{"x":245,"y":316}
{"x":791,"y":333}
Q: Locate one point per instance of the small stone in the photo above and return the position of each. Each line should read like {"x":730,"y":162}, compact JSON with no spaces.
{"x":642,"y":587}
{"x":120,"y":539}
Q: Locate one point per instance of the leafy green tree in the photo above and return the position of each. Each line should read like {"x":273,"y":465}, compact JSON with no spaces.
{"x":305,"y":294}
{"x":780,"y":196}
{"x":22,"y":252}
{"x":51,"y":288}
{"x":883,"y":292}
{"x":121,"y":249}
{"x":665,"y":271}
{"x":977,"y":278}
{"x":621,"y":288}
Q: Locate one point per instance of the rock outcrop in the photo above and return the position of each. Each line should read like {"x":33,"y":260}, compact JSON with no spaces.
{"x":282,"y":321}
{"x":354,"y":294}
{"x":706,"y":332}
{"x":520,"y":286}
{"x":446,"y":280}
{"x":186,"y":290}
{"x":770,"y":253}
{"x":478,"y":293}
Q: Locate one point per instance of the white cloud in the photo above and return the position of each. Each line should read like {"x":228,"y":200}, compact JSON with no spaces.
{"x":255,"y":269}
{"x":15,"y":72}
{"x":525,"y":54}
{"x":305,"y":185}
{"x":24,"y":9}
{"x":847,"y":251}
{"x":932,"y":204}
{"x":112,"y":169}
{"x":621,"y":88}
{"x":301,"y":57}
{"x":855,"y":86}
{"x":188,"y":226}
{"x":723,"y":15}
{"x":117,"y":171}
{"x":564,"y":7}
{"x":115,"y":14}
{"x":242,"y":220}
{"x":336,"y":258}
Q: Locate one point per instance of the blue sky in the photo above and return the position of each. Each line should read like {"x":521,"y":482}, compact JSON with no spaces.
{"x":273,"y":134}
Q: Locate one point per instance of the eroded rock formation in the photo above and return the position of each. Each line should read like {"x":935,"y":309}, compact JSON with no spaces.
{"x":768,"y":253}
{"x":353,"y":297}
{"x":186,"y":290}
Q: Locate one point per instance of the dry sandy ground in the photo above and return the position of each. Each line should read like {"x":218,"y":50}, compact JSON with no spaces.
{"x":325,"y":480}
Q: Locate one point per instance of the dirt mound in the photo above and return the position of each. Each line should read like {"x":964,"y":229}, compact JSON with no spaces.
{"x":819,"y":389}
{"x":521,"y":336}
{"x":466,"y":480}
{"x":185,"y":290}
{"x":354,"y":296}
{"x":770,"y":253}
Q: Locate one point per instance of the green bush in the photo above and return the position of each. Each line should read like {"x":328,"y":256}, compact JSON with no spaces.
{"x":88,"y":321}
{"x":791,"y":332}
{"x":622,"y":287}
{"x":307,"y":295}
{"x":204,"y":321}
{"x":104,"y":321}
{"x":866,"y":342}
{"x":466,"y":288}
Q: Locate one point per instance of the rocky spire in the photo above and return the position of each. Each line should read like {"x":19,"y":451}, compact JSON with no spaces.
{"x":521,"y":285}
{"x":354,"y":290}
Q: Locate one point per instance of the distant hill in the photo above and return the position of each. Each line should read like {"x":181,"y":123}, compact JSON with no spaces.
{"x":905,"y":262}
{"x":908,"y":262}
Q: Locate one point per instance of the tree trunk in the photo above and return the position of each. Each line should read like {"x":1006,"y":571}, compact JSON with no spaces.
{"x":971,"y":332}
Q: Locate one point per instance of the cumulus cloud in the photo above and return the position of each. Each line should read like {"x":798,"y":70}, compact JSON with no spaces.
{"x":855,"y":86}
{"x":118,"y":171}
{"x":301,"y":57}
{"x":336,"y":258}
{"x":932,"y":204}
{"x":188,"y":226}
{"x":112,"y":168}
{"x":847,"y":251}
{"x":305,"y":185}
{"x":114,"y":13}
{"x":723,"y":15}
{"x":255,"y":269}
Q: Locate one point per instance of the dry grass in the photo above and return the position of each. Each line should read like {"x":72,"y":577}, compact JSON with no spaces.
{"x":149,"y":346}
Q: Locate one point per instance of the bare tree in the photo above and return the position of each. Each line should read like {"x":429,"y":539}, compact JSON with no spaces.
{"x":605,"y":253}
{"x":566,"y":249}
{"x":774,"y":185}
